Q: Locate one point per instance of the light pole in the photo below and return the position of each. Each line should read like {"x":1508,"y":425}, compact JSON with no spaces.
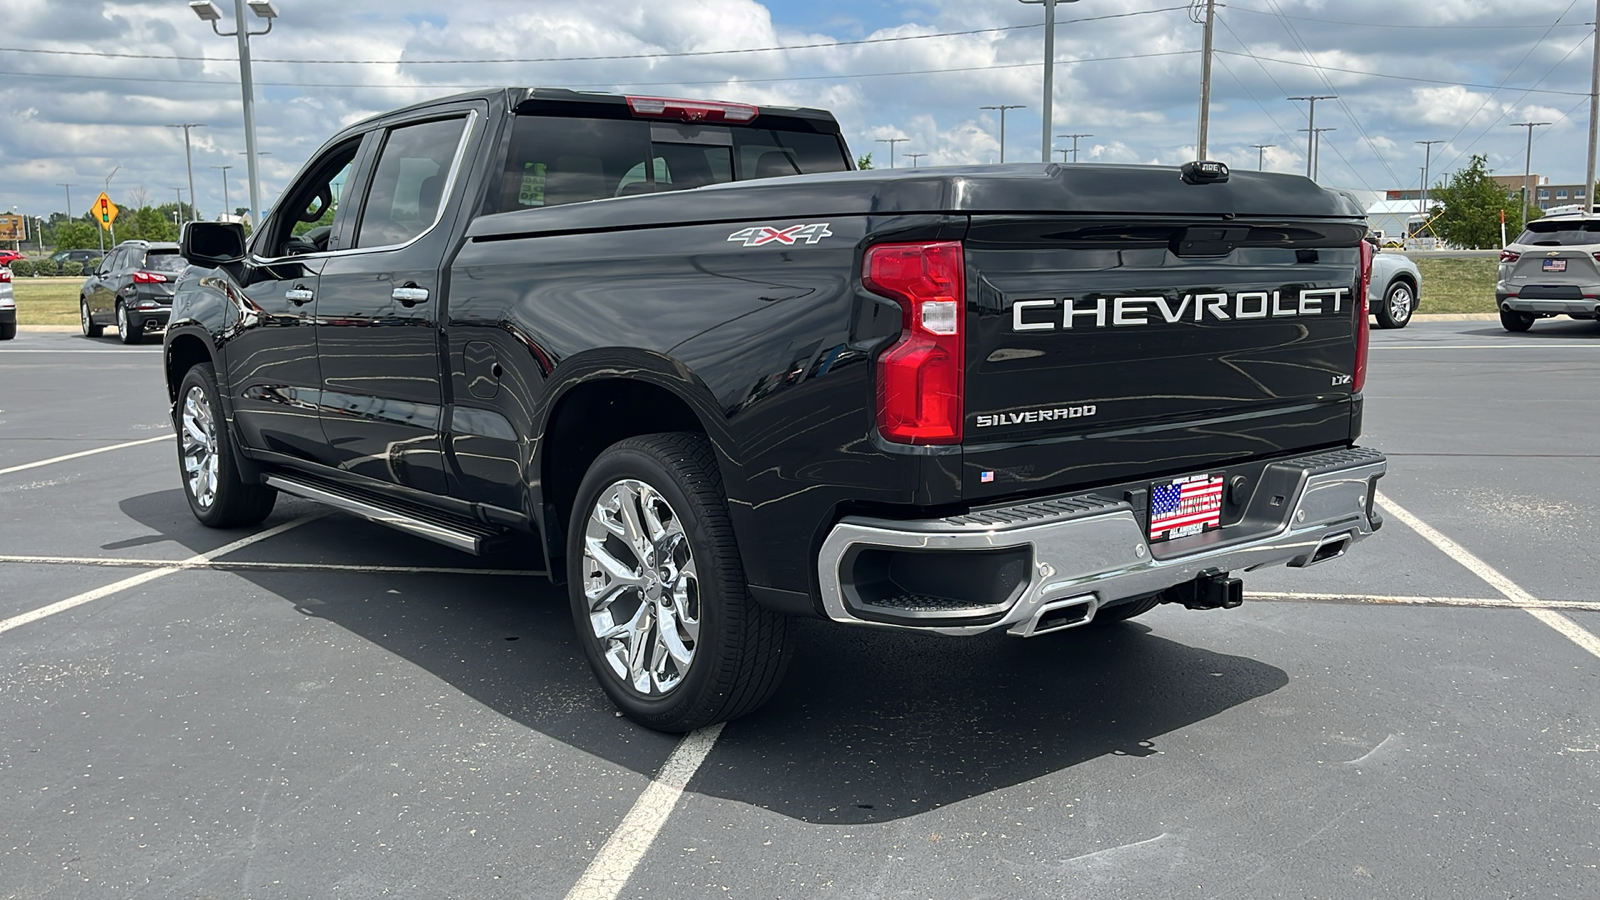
{"x":188,"y":159}
{"x":208,"y":12}
{"x":178,"y":192}
{"x":1261,"y":154}
{"x":1003,"y":107}
{"x":1049,"y":75}
{"x":1316,"y":149}
{"x":1205,"y":71}
{"x":1527,"y":164}
{"x":914,"y":157}
{"x":891,"y":142}
{"x":1594,"y":121}
{"x":69,"y":198}
{"x":226,"y":210}
{"x":1427,"y":160}
{"x":1311,"y":139}
{"x":40,"y":235}
{"x":1074,"y":142}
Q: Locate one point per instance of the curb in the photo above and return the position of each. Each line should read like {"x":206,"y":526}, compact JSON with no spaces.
{"x":51,"y":328}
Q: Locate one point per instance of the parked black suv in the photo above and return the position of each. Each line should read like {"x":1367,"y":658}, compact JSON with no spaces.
{"x":132,"y":289}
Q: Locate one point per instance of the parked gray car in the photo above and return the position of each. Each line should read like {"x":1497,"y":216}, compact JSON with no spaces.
{"x":1396,"y":289}
{"x":1551,"y":269}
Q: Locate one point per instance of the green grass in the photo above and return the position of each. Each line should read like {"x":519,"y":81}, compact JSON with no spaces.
{"x":47,"y":301}
{"x":1452,"y":285}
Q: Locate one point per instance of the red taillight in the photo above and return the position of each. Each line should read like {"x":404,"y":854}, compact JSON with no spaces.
{"x":149,"y":278}
{"x":5,"y":276}
{"x":1363,"y":329}
{"x":920,"y":379}
{"x":692,"y":110}
{"x":1511,"y":256}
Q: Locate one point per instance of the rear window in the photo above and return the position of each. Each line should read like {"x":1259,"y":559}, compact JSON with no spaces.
{"x":164,"y":261}
{"x":554,"y":161}
{"x":1561,"y":233}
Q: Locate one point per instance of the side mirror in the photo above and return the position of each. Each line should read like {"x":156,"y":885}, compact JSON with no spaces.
{"x":212,"y":244}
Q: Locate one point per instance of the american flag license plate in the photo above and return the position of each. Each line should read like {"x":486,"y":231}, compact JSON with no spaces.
{"x":1555,"y":265}
{"x":1185,"y":506}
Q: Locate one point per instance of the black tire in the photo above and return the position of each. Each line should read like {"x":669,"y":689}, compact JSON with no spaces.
{"x":231,"y":502}
{"x":86,"y":321}
{"x":739,"y":651}
{"x":1399,"y":302}
{"x":1122,"y":612}
{"x":129,"y":327}
{"x":1515,"y":321}
{"x":8,"y":331}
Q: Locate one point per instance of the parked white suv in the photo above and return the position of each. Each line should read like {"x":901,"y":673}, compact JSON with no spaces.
{"x":1551,"y":269}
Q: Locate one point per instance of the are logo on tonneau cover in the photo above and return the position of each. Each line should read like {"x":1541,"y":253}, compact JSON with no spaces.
{"x":762,"y":235}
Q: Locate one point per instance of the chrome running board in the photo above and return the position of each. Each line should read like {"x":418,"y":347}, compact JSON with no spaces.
{"x":459,"y":538}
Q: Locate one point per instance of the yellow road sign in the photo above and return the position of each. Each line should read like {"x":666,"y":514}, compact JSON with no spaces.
{"x":105,"y":212}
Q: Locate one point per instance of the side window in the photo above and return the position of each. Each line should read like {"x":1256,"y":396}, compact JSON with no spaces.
{"x":408,"y":184}
{"x":303,"y":222}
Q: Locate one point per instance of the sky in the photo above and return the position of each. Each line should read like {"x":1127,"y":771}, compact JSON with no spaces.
{"x":87,"y":86}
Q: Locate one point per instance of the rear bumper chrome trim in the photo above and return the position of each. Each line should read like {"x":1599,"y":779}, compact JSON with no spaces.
{"x":1096,"y":546}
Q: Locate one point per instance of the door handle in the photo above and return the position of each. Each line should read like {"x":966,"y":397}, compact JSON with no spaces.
{"x":299,"y":295}
{"x":410,"y":295}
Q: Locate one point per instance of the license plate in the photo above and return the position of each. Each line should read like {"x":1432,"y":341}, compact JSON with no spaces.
{"x":1185,"y":506}
{"x":1555,"y":265}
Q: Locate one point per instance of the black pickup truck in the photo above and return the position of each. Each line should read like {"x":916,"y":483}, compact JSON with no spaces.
{"x":716,"y":379}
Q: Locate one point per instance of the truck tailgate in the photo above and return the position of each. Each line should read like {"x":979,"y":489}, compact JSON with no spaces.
{"x":1101,"y":350}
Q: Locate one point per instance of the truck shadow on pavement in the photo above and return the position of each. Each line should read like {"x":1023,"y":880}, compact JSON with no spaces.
{"x":869,"y":725}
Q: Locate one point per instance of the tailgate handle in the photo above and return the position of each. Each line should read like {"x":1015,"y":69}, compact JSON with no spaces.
{"x":1210,"y":240}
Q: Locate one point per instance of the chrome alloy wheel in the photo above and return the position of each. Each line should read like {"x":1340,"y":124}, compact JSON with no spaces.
{"x":642,"y":588}
{"x":84,"y":321}
{"x":1400,"y":300}
{"x":122,"y":320}
{"x":199,"y":438}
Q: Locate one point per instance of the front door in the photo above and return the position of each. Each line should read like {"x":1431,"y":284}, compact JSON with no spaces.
{"x":378,"y":310}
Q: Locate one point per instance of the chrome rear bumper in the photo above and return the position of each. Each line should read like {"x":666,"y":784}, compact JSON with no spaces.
{"x":1089,"y":551}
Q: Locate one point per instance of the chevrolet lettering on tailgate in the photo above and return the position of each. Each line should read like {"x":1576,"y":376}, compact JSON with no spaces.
{"x":1100,"y":312}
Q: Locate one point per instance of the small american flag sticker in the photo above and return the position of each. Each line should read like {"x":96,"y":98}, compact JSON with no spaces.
{"x":985,"y":477}
{"x":1185,"y":506}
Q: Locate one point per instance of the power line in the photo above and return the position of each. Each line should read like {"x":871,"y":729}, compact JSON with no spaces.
{"x":1431,"y":27}
{"x":609,"y":57}
{"x":1369,"y":74}
{"x":1513,"y":104}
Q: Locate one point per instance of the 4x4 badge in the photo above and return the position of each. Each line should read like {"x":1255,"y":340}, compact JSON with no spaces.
{"x":761,"y":235}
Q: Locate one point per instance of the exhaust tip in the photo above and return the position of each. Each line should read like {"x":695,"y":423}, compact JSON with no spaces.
{"x":1059,"y":615}
{"x":1331,"y":547}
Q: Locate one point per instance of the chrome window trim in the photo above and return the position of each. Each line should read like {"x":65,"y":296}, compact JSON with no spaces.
{"x":467,"y":134}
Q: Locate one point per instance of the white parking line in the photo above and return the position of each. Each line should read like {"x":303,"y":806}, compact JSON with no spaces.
{"x":1401,"y":600}
{"x":610,"y":870}
{"x":82,"y":453}
{"x":1589,"y":346}
{"x":44,"y":612}
{"x":1493,"y":578}
{"x":226,"y":566}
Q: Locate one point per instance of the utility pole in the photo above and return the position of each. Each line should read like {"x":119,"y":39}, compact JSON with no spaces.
{"x":226,"y":209}
{"x":1205,"y":72}
{"x":1594,"y":117}
{"x":1049,"y":75}
{"x":1427,"y":161}
{"x":1074,"y":143}
{"x":178,"y":191}
{"x":1527,"y":164}
{"x":914,"y":156}
{"x":1003,"y":107}
{"x":69,"y":198}
{"x":891,"y":142}
{"x":188,"y":158}
{"x":1316,"y":149}
{"x":1311,"y":140}
{"x":265,"y":9}
{"x":1261,"y":151}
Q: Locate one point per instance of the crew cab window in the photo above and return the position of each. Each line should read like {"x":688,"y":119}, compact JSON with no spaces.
{"x":303,"y":222}
{"x":555,"y":160}
{"x":408,"y":184}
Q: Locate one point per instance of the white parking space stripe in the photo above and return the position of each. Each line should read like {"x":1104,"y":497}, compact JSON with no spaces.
{"x":1386,"y":600}
{"x":230,"y":566}
{"x":610,"y":870}
{"x":1377,"y":347}
{"x":82,"y":453}
{"x":1492,"y":576}
{"x":44,"y":612}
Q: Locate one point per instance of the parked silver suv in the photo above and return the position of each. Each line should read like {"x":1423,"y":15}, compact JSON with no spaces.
{"x":1551,"y":269}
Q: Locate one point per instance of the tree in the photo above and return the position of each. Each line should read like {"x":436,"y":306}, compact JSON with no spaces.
{"x":864,"y":162}
{"x":1470,"y":207}
{"x":77,"y":235}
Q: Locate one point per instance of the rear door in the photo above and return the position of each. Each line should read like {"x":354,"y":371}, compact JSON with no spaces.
{"x":1100,"y":350}
{"x":379,"y":306}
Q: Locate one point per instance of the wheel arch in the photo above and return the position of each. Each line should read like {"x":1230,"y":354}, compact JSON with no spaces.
{"x":184,"y":350}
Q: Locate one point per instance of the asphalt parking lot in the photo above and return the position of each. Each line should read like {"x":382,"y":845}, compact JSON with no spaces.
{"x":320,"y":707}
